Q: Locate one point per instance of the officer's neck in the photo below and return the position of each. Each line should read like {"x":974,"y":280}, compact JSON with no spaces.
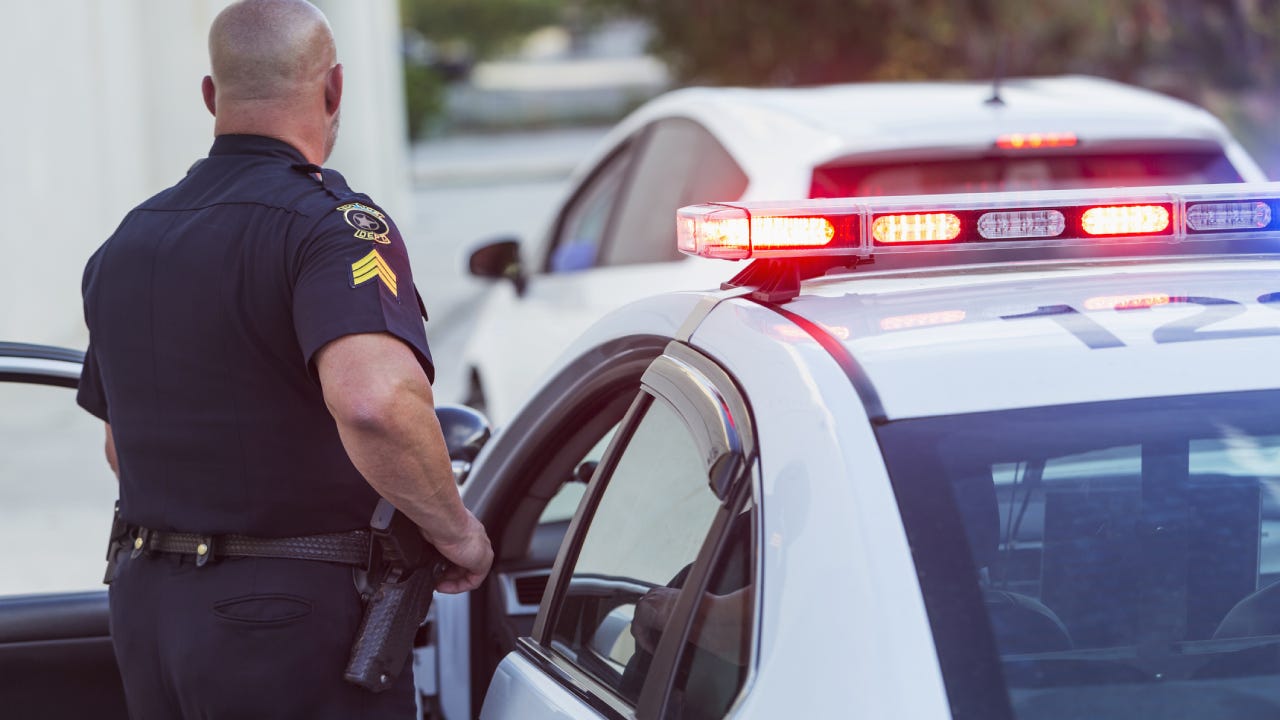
{"x":308,"y":135}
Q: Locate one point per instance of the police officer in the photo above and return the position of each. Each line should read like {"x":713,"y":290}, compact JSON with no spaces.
{"x":257,"y":351}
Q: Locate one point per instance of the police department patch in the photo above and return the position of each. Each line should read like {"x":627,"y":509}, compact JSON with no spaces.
{"x":368,"y":223}
{"x":371,"y":267}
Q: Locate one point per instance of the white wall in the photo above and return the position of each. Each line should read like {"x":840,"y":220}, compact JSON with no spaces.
{"x":101,"y":109}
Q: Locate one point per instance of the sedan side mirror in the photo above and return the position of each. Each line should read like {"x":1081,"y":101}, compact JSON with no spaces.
{"x":499,"y":259}
{"x":465,"y":432}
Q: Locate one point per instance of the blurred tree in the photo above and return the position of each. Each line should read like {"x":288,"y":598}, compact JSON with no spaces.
{"x":444,"y":37}
{"x":487,"y":26}
{"x":1225,"y":43}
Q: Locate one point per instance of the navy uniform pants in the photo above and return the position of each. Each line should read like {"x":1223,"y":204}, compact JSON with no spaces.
{"x":242,"y":638}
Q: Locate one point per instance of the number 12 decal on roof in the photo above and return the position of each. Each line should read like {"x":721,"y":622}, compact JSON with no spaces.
{"x":1184,"y":329}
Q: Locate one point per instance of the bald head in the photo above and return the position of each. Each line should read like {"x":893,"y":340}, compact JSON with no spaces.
{"x":265,"y":50}
{"x":275,"y":73}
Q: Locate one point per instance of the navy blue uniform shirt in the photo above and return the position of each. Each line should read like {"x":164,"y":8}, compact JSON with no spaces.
{"x":206,"y":309}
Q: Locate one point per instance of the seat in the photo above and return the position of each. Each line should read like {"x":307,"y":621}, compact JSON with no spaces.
{"x":1257,"y":614}
{"x":1021,"y":624}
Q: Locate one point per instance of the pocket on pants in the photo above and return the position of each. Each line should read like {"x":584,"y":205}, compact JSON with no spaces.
{"x":270,"y":609}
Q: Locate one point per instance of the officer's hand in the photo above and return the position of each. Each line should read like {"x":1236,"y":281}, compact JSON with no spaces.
{"x":471,"y":558}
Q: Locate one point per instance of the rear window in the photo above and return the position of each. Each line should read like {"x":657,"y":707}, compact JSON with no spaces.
{"x":1103,"y":560}
{"x":1044,"y":172}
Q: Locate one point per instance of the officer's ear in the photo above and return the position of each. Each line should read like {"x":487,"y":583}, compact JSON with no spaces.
{"x":210,"y":95}
{"x":333,"y":89}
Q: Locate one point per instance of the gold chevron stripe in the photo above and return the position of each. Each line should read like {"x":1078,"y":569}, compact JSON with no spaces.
{"x":374,"y":266}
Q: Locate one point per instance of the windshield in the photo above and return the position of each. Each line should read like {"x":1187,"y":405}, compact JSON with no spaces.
{"x":1020,"y":172}
{"x":1102,"y":560}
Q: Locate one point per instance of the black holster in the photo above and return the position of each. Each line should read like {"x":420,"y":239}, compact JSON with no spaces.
{"x":118,"y":541}
{"x":406,"y":568}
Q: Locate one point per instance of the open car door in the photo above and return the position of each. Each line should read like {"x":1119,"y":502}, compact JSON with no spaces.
{"x":56,"y":659}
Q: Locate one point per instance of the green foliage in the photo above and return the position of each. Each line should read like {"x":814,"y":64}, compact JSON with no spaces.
{"x":462,"y":31}
{"x":423,"y":97}
{"x":487,"y":26}
{"x":1223,"y":43}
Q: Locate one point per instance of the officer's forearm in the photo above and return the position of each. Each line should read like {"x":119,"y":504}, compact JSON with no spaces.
{"x":384,"y":410}
{"x":405,"y":460}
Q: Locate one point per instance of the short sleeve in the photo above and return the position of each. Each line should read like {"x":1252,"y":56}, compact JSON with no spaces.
{"x":353,"y":277}
{"x":90,"y":394}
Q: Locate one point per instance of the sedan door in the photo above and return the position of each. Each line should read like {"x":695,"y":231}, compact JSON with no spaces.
{"x":56,"y":659}
{"x":649,"y":610}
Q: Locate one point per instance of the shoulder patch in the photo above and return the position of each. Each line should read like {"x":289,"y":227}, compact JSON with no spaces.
{"x":369,"y":224}
{"x":374,"y":267}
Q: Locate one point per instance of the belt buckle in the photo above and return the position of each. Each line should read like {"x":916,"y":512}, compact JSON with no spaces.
{"x":205,"y":550}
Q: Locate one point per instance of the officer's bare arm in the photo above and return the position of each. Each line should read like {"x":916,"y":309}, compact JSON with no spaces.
{"x":110,"y":448}
{"x":383,"y":405}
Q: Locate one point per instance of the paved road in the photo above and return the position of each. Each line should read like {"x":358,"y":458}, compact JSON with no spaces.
{"x":55,"y":490}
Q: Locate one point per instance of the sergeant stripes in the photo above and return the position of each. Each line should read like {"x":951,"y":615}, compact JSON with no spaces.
{"x":373,"y":266}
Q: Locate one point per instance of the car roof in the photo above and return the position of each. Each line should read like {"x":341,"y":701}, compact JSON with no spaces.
{"x":779,"y":134}
{"x":980,"y":338}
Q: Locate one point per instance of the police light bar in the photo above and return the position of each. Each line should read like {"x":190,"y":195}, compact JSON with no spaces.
{"x":863,"y":227}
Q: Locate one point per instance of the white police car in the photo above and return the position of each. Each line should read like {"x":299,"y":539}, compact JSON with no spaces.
{"x":1029,"y":473}
{"x":1022,"y":465}
{"x":609,"y":241}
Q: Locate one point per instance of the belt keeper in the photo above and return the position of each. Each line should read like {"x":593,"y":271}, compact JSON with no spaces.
{"x":204,"y":550}
{"x":141,"y":543}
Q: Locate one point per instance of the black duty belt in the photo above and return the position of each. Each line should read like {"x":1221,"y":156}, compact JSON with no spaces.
{"x":348,"y":548}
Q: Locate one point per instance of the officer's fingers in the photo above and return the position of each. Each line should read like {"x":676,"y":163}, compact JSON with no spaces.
{"x":458,"y":580}
{"x":452,"y":586}
{"x":475,"y":554}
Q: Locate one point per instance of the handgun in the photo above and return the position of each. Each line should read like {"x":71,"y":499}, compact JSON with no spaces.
{"x":408,"y":568}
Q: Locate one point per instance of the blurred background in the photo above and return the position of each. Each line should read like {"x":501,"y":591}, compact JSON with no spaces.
{"x":464,"y":118}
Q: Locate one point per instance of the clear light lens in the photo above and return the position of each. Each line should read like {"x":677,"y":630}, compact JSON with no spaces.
{"x":1126,"y":302}
{"x":1032,"y":141}
{"x":905,"y":322}
{"x":1021,"y":224}
{"x":769,"y":233}
{"x":727,"y":233}
{"x":1125,"y":220}
{"x":914,"y":228}
{"x":1229,"y":216}
{"x":723,"y":233}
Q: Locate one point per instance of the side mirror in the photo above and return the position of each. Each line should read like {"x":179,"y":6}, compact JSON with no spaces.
{"x":465,"y":432}
{"x":499,"y":259}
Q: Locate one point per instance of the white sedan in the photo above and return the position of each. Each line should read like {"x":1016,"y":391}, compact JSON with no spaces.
{"x":610,"y":241}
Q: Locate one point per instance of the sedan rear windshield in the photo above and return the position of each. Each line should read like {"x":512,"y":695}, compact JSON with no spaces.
{"x":1102,"y":560}
{"x":1020,"y":172}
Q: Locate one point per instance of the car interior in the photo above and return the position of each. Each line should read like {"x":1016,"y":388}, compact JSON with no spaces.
{"x":1125,"y":554}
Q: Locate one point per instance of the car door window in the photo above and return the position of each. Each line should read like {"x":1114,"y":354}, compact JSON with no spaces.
{"x":585,"y":222}
{"x":57,"y":492}
{"x":646,"y":530}
{"x":565,"y":502}
{"x":715,"y":660}
{"x":681,"y":164}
